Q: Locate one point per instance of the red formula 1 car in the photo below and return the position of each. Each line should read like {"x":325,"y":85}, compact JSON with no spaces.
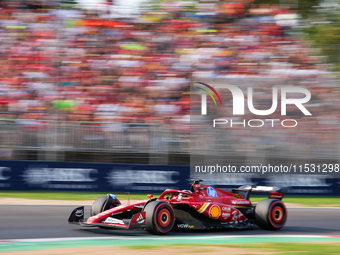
{"x":201,"y":207}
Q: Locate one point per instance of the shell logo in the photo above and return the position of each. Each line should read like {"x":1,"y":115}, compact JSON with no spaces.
{"x":215,"y":211}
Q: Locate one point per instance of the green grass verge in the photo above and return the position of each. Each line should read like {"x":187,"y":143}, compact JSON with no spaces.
{"x":55,"y":195}
{"x":180,"y":248}
{"x":271,"y":248}
{"x":292,"y":248}
{"x":307,"y":201}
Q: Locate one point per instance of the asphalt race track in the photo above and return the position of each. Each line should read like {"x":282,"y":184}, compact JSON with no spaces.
{"x":50,"y":221}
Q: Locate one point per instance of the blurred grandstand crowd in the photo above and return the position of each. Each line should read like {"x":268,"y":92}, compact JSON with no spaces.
{"x":72,"y":64}
{"x":92,"y":67}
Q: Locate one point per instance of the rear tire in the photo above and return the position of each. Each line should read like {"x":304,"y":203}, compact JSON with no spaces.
{"x":98,"y":205}
{"x":159,"y":217}
{"x":270,"y":214}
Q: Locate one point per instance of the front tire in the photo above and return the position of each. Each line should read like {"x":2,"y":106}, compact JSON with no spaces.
{"x":270,"y":214}
{"x":98,"y":205}
{"x":159,"y":217}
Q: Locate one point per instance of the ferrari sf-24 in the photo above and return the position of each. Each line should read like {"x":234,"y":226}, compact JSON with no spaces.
{"x":201,"y":208}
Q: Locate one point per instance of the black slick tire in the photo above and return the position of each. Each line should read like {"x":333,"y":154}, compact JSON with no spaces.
{"x":159,"y":217}
{"x":270,"y":214}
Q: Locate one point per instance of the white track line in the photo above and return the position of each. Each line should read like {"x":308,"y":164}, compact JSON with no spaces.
{"x":289,"y":207}
{"x":161,"y":238}
{"x":75,"y":205}
{"x":313,"y":207}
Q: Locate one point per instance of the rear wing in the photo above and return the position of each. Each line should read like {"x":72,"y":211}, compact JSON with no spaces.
{"x":245,"y":191}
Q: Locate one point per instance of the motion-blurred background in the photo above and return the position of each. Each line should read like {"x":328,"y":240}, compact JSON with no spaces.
{"x":106,"y":81}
